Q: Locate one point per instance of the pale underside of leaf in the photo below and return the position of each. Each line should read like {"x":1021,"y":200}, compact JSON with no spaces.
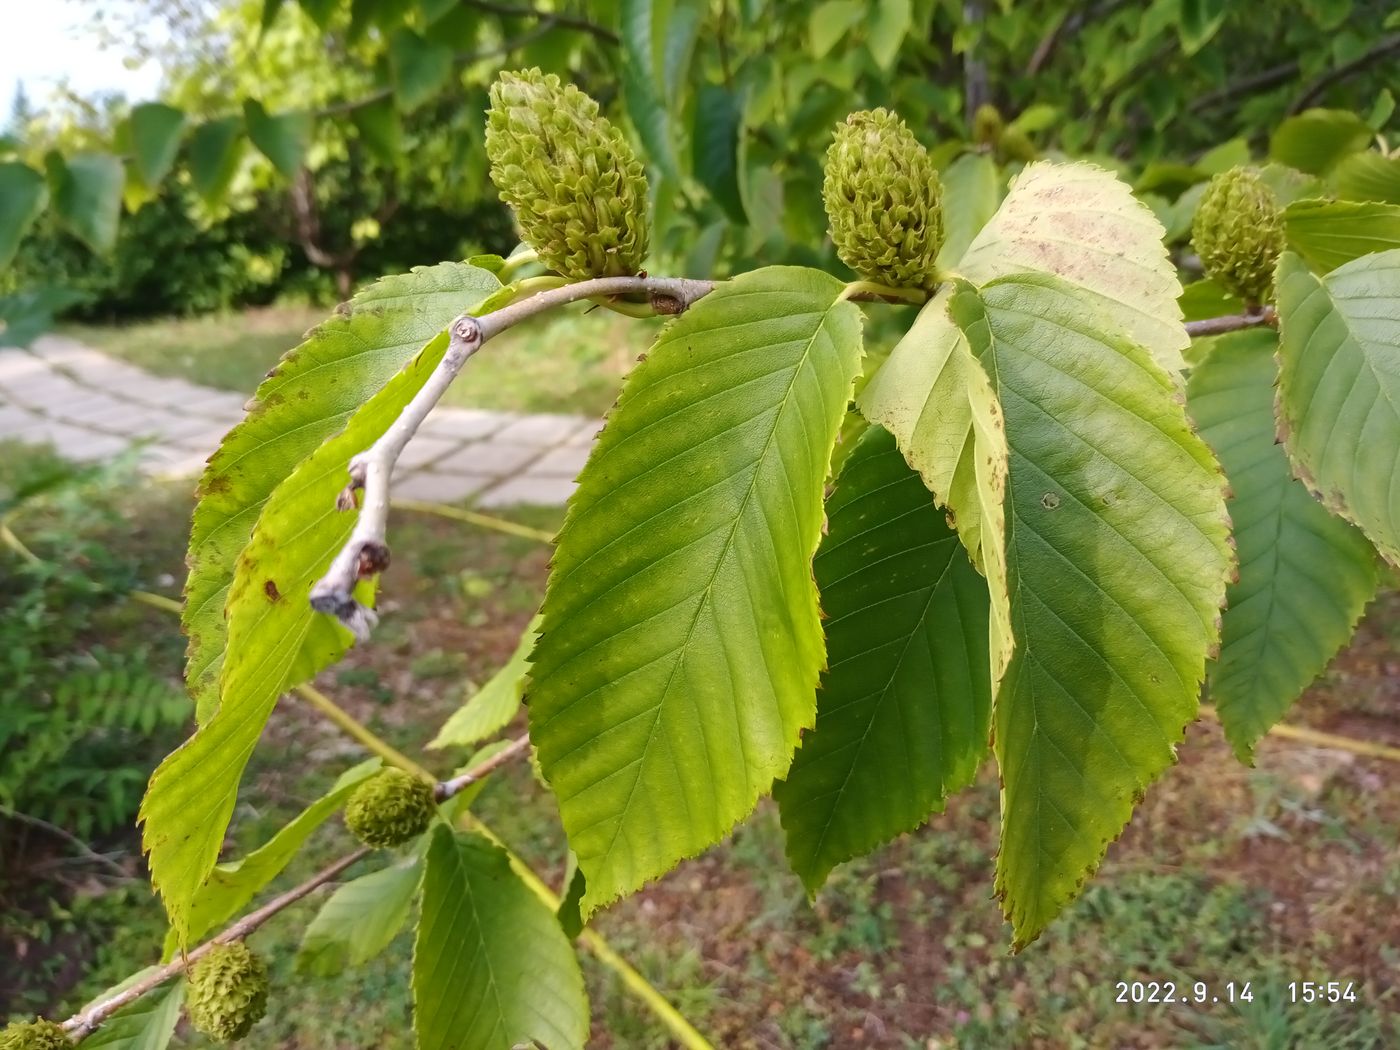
{"x":307,"y":398}
{"x":490,"y":708}
{"x":492,"y":968}
{"x":1084,"y":225}
{"x":935,"y":398}
{"x":1118,"y":555}
{"x":1339,"y":388}
{"x":360,"y":919}
{"x":1305,"y":576}
{"x":903,"y":709}
{"x":147,"y":1024}
{"x":681,"y":645}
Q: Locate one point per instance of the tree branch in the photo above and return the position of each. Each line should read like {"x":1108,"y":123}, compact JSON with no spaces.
{"x":1233,"y":322}
{"x":85,"y":1022}
{"x":554,"y":17}
{"x":366,"y":553}
{"x":1317,"y":87}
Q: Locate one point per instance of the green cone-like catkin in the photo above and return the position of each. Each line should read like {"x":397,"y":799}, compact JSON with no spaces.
{"x":390,"y":808}
{"x":884,"y":201}
{"x":227,"y":991}
{"x":576,"y":187}
{"x":34,"y":1035}
{"x":1238,"y":232}
{"x":987,"y":125}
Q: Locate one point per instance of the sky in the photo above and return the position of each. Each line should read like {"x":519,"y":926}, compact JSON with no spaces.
{"x":43,"y":41}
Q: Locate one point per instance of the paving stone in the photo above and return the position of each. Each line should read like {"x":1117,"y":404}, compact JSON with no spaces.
{"x":169,"y":462}
{"x":92,"y":405}
{"x":466,"y":423}
{"x":173,"y":428}
{"x":124,"y":417}
{"x":16,"y":421}
{"x":489,"y":457}
{"x":16,"y":363}
{"x":541,"y":430}
{"x":566,"y":461}
{"x":440,"y":488}
{"x":552,"y":492}
{"x":585,"y":434}
{"x":77,"y":443}
{"x":423,"y":449}
{"x":44,"y":388}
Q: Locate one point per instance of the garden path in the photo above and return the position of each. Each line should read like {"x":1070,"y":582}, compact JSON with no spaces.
{"x":91,"y":407}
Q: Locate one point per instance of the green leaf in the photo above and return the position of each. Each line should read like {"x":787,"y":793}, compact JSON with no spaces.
{"x":1305,"y":576}
{"x":971,"y":193}
{"x":360,"y":919}
{"x":1118,"y":553}
{"x":380,"y":130}
{"x":233,"y":884}
{"x":829,"y":22}
{"x":215,"y":152}
{"x":888,"y":29}
{"x":421,"y":68}
{"x":642,"y":90}
{"x":1081,"y":223}
{"x":307,"y":399}
{"x":935,"y":398}
{"x":1204,"y":299}
{"x":677,"y":666}
{"x":282,"y":139}
{"x":1200,"y":21}
{"x":146,"y":1024}
{"x":1339,"y":388}
{"x":1330,"y":233}
{"x":23,"y":194}
{"x":904,"y":706}
{"x":1316,"y":140}
{"x":1368,"y":177}
{"x":718,"y":138}
{"x":575,"y":885}
{"x":155,"y":140}
{"x":86,"y":191}
{"x":273,"y":637}
{"x":28,"y":314}
{"x":490,"y":708}
{"x":320,"y":11}
{"x":491,"y":967}
{"x":270,"y":10}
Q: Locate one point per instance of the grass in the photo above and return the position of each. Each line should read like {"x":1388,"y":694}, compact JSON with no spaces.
{"x":572,"y":361}
{"x":1267,"y":875}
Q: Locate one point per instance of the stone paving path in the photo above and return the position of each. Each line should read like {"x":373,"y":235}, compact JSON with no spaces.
{"x":92,"y":407}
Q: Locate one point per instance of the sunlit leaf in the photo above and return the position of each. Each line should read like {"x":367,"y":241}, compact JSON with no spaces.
{"x":360,"y":919}
{"x":155,"y":140}
{"x":23,"y":194}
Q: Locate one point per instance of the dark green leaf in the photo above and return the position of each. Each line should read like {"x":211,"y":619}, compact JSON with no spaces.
{"x":320,"y":11}
{"x":642,"y":89}
{"x":23,"y":194}
{"x":155,"y":140}
{"x":1200,"y":21}
{"x":904,"y":706}
{"x":1317,"y":140}
{"x":1305,"y":576}
{"x":147,"y":1024}
{"x":87,"y":195}
{"x":1330,"y":233}
{"x":282,"y":139}
{"x":718,"y":145}
{"x":380,"y":130}
{"x":421,"y":68}
{"x":215,"y":151}
{"x":1368,"y":177}
{"x":491,"y":967}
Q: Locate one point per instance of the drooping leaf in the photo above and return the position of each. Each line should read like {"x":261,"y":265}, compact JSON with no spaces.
{"x":971,"y":193}
{"x":155,"y":140}
{"x":717,"y":147}
{"x":490,"y":708}
{"x":23,"y":194}
{"x":282,"y":139}
{"x":1081,"y":223}
{"x":320,"y":11}
{"x":1200,"y":21}
{"x":306,"y":400}
{"x":273,"y":637}
{"x":1367,"y":177}
{"x":1305,"y":576}
{"x":492,"y":970}
{"x":677,"y":666}
{"x":29,"y":313}
{"x":1330,"y":233}
{"x":86,"y":191}
{"x":215,"y":152}
{"x":829,"y":22}
{"x":380,"y":129}
{"x":360,"y":919}
{"x":1316,"y":140}
{"x":146,"y":1024}
{"x":1117,"y":552}
{"x":233,"y":884}
{"x":1339,"y":388}
{"x":936,"y":399}
{"x":888,"y":29}
{"x":904,"y":706}
{"x":421,"y":67}
{"x":1204,"y":299}
{"x":575,"y":885}
{"x":643,"y":92}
